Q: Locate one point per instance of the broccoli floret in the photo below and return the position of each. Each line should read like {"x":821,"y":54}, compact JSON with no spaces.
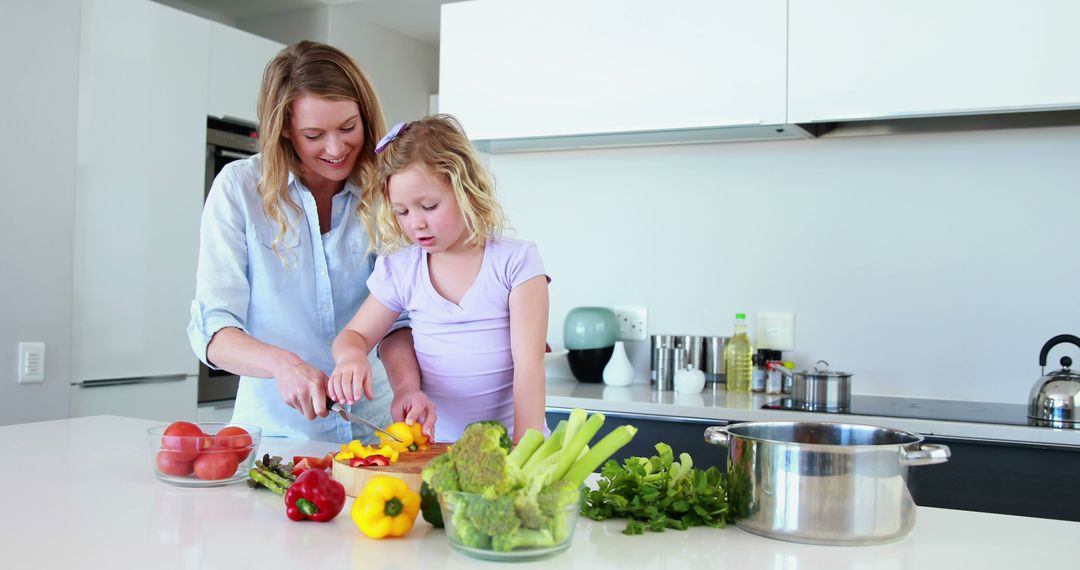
{"x":529,"y":512}
{"x":527,"y":507}
{"x":554,"y":500}
{"x":493,"y":516}
{"x":481,"y":460}
{"x":441,"y":474}
{"x":467,"y":534}
{"x":558,"y":496}
{"x":522,"y":538}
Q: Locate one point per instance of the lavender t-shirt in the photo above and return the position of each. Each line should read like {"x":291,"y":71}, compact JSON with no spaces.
{"x":463,"y":349}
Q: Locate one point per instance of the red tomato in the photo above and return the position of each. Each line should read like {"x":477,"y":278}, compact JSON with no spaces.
{"x":236,"y":438}
{"x":216,"y":463}
{"x":168,"y":464}
{"x":185,"y":439}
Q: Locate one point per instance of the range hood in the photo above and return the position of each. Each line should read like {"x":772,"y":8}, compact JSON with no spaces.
{"x":985,"y":121}
{"x":697,"y":135}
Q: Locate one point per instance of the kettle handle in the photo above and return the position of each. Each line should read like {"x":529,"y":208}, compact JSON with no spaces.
{"x":1061,"y":338}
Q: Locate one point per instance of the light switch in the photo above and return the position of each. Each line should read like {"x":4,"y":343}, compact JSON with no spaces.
{"x":31,"y":362}
{"x":775,"y":331}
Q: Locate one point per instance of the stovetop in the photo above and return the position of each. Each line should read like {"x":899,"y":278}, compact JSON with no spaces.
{"x":923,"y":409}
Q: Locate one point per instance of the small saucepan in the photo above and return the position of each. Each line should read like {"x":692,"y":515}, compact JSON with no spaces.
{"x":820,"y":389}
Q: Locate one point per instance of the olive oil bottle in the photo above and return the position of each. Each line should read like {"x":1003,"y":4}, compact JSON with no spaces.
{"x":738,"y":355}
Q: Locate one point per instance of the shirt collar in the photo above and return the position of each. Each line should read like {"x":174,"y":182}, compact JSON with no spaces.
{"x":355,"y":190}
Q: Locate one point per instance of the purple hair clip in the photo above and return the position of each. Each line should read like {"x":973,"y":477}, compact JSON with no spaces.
{"x":391,"y":136}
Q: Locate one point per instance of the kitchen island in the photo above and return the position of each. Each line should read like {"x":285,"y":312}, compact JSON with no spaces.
{"x":82,"y":493}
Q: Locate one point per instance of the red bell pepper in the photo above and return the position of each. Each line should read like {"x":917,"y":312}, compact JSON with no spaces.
{"x":369,"y":461}
{"x":314,"y":495}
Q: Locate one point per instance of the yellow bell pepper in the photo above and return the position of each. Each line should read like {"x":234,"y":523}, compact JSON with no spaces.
{"x":420,"y":439}
{"x":386,"y":507}
{"x":402,"y":431}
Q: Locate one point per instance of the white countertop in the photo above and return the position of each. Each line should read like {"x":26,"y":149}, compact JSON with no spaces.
{"x":721,"y":405}
{"x":82,"y":493}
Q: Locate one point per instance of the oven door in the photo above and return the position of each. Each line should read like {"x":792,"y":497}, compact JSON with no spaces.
{"x":225,"y":143}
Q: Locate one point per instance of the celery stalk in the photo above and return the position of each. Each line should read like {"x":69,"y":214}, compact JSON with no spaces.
{"x":572,"y":447}
{"x":526,"y":446}
{"x":549,"y":447}
{"x":600,"y":453}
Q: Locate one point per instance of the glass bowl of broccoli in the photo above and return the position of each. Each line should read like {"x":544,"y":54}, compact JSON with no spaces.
{"x":514,"y":526}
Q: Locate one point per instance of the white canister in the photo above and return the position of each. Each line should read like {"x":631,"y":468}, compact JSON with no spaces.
{"x":689,"y":380}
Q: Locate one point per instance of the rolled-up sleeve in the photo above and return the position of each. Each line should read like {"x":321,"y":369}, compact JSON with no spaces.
{"x":222,"y":289}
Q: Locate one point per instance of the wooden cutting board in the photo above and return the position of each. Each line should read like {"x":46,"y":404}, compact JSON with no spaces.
{"x":407,"y":468}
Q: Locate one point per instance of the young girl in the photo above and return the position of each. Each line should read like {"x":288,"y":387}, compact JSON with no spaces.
{"x":477,"y":301}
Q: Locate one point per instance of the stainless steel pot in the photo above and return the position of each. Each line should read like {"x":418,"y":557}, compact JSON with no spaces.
{"x":823,"y":483}
{"x":820,"y":389}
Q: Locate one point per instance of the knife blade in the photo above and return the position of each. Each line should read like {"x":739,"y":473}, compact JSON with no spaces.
{"x":353,"y":418}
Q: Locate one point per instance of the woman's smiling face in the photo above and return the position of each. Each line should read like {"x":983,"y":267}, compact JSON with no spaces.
{"x":328,"y":137}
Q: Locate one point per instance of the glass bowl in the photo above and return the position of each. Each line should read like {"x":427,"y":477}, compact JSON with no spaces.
{"x":216,"y":454}
{"x":474,"y":526}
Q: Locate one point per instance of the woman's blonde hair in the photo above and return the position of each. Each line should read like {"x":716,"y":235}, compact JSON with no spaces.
{"x":308,"y":68}
{"x":439,"y":144}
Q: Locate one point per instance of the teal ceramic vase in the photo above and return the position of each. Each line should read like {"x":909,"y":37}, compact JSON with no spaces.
{"x":589,"y":334}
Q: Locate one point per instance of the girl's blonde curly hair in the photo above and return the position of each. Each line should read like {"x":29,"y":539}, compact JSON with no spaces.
{"x":439,"y":144}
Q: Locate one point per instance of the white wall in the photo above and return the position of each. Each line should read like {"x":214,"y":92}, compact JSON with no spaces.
{"x":39,"y":59}
{"x":404,"y":70}
{"x":291,"y":27}
{"x":926,"y":265}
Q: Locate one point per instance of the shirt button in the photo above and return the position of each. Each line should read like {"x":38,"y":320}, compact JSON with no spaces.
{"x":323,"y":272}
{"x":326,"y":308}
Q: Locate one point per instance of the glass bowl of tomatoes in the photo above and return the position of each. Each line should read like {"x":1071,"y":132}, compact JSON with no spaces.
{"x":203,"y":454}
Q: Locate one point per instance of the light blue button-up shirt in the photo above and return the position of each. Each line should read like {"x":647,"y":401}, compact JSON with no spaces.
{"x":300,"y":305}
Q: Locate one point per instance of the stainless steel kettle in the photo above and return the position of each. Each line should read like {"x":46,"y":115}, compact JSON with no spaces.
{"x":1055,"y":398}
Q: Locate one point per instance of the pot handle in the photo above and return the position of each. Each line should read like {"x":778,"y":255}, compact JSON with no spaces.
{"x":1059,"y":339}
{"x":925,"y":454}
{"x":717,"y":435}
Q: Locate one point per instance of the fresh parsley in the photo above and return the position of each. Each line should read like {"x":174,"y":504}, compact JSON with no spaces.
{"x":658,"y":493}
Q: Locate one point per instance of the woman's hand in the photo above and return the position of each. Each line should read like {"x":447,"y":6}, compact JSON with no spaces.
{"x":303,"y":388}
{"x":414,"y":406}
{"x":351,"y":380}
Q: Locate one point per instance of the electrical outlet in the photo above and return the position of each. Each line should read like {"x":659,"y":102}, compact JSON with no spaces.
{"x":31,"y":362}
{"x":776,"y":331}
{"x":633,"y":321}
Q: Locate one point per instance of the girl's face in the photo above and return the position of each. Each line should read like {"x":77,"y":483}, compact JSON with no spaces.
{"x":426,"y":210}
{"x":328,"y":136}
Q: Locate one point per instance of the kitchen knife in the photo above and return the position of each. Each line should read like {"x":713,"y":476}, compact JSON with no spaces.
{"x":350,"y":417}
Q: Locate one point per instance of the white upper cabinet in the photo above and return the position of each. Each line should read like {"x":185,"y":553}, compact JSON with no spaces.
{"x":237,"y":61}
{"x":550,"y":68}
{"x":853,"y":59}
{"x":141,"y":140}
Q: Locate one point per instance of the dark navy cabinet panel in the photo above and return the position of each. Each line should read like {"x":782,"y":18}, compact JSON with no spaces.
{"x":992,"y":477}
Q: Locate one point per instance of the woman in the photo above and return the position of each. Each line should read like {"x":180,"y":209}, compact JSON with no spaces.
{"x":283,"y":254}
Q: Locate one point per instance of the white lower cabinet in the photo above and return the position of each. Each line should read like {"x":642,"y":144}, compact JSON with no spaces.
{"x":216,"y":412}
{"x":162,"y":399}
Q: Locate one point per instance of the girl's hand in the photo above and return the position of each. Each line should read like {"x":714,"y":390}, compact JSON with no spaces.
{"x":414,"y":406}
{"x":303,"y":388}
{"x":351,"y":381}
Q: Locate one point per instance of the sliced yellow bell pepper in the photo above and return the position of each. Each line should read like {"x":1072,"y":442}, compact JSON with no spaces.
{"x":386,"y":507}
{"x":356,"y":449}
